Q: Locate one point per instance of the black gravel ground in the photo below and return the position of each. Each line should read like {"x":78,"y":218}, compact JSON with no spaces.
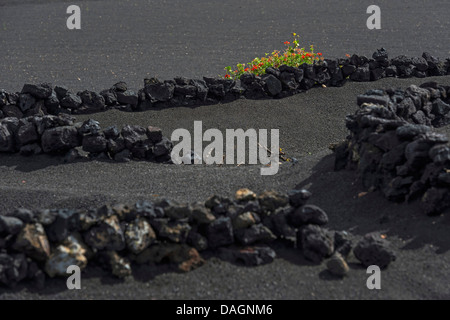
{"x":43,"y":50}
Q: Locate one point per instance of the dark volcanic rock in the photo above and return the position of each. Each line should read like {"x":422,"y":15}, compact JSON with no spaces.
{"x":40,"y":91}
{"x":120,"y":87}
{"x":133,"y":134}
{"x":92,"y":100}
{"x":361,"y":74}
{"x":315,"y":243}
{"x":248,"y":256}
{"x":272,"y":84}
{"x":308,"y":214}
{"x":107,"y":235}
{"x":164,"y":147}
{"x":13,"y":268}
{"x":298,"y":198}
{"x":66,"y":221}
{"x":127,"y":97}
{"x":220,"y":232}
{"x":374,"y":250}
{"x":71,"y":101}
{"x":95,"y":143}
{"x":154,"y":134}
{"x":255,"y":233}
{"x":159,"y":92}
{"x":25,"y":215}
{"x":27,"y":133}
{"x":6,"y":139}
{"x":10,"y":225}
{"x":60,"y":139}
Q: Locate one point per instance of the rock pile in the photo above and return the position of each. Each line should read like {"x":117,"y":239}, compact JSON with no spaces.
{"x":277,"y":83}
{"x":394,"y":148}
{"x":61,"y":135}
{"x":37,"y":243}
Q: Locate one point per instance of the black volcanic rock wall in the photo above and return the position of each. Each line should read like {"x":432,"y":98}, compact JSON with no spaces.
{"x":36,"y":244}
{"x":277,"y":83}
{"x":61,"y":135}
{"x":394,"y":149}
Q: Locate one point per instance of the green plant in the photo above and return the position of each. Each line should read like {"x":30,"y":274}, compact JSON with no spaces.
{"x":291,"y":56}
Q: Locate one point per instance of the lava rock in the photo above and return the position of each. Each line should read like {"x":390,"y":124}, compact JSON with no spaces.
{"x":272,"y":84}
{"x":40,"y":91}
{"x":374,"y":250}
{"x":187,"y":258}
{"x":92,"y":100}
{"x":132,"y":135}
{"x":361,"y":74}
{"x":25,"y":215}
{"x":66,"y":221}
{"x":61,"y":91}
{"x":72,"y":252}
{"x":71,"y":101}
{"x":272,"y":200}
{"x":95,"y":143}
{"x":298,"y":197}
{"x":12,"y":111}
{"x":342,"y":243}
{"x":245,"y":195}
{"x":120,"y":87}
{"x":154,"y":134}
{"x":244,"y":220}
{"x":197,"y":241}
{"x":60,"y":139}
{"x":159,"y":92}
{"x":308,"y":214}
{"x":248,"y":256}
{"x":315,"y":243}
{"x":6,"y":139}
{"x":123,"y":156}
{"x":127,"y":97}
{"x":10,"y":225}
{"x":162,"y":148}
{"x":220,"y":232}
{"x":107,"y":235}
{"x":90,"y":126}
{"x":200,"y":214}
{"x":337,"y":266}
{"x":33,"y":241}
{"x":435,"y":200}
{"x":174,"y":231}
{"x":255,"y":233}
{"x":110,"y":97}
{"x":119,"y":266}
{"x":26,"y":102}
{"x":13,"y":268}
{"x":27,"y":133}
{"x":139,"y":235}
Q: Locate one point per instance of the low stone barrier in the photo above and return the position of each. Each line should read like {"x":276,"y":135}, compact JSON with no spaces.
{"x":277,"y":83}
{"x":35,"y":244}
{"x":394,"y":149}
{"x":61,"y":135}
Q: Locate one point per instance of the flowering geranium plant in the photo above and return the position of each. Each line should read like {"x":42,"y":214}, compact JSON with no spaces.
{"x":291,"y":56}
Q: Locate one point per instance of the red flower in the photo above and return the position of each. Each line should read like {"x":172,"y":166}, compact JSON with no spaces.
{"x":303,"y":56}
{"x":319,"y":54}
{"x":246,"y":69}
{"x":227,"y":76}
{"x":287,"y":42}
